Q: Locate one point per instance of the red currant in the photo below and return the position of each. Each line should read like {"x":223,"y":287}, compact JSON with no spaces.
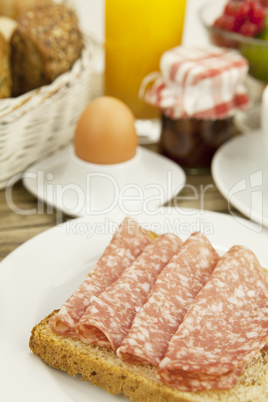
{"x":238,"y":9}
{"x":257,"y":13}
{"x":246,"y":17}
{"x":248,"y":29}
{"x":226,"y":22}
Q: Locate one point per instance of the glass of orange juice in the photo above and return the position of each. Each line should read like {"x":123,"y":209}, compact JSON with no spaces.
{"x":137,"y":33}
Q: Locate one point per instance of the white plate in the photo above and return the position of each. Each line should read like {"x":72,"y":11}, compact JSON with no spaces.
{"x":39,"y":276}
{"x":240,"y":171}
{"x":78,"y":188}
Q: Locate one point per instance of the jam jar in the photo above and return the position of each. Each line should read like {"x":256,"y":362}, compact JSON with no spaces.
{"x":198,"y":92}
{"x":192,"y":142}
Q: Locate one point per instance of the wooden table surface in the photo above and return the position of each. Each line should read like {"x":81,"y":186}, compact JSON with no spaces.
{"x":15,"y":228}
{"x":200,"y":192}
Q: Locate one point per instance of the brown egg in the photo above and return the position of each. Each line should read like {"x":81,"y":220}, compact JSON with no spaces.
{"x":105,"y":132}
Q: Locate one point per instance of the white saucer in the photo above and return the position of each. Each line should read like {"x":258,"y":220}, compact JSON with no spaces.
{"x":240,"y":171}
{"x":78,"y":188}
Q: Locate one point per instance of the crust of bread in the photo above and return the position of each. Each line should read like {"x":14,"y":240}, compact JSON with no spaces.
{"x":101,"y":367}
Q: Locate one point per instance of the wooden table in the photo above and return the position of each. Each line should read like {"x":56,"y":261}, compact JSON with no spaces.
{"x":200,"y":192}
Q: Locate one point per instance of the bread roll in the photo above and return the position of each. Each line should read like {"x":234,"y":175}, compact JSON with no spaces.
{"x":5,"y":76}
{"x":12,"y":8}
{"x":45,"y":44}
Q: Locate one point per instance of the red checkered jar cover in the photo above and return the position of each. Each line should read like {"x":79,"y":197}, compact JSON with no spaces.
{"x":202,"y":83}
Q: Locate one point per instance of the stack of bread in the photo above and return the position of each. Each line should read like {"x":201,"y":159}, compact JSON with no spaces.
{"x":39,"y":41}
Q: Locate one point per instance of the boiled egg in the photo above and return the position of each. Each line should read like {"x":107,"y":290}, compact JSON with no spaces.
{"x":105,"y":132}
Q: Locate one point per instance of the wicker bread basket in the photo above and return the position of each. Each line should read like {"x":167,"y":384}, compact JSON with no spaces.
{"x":43,"y":120}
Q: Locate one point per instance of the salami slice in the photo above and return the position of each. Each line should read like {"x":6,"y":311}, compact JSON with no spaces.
{"x":223,"y":330}
{"x":173,"y":293}
{"x":109,"y":317}
{"x":126,"y":245}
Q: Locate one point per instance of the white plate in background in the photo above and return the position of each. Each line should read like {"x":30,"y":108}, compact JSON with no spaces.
{"x":240,"y":171}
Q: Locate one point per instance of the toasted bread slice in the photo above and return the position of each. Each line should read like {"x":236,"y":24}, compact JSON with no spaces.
{"x":103,"y":368}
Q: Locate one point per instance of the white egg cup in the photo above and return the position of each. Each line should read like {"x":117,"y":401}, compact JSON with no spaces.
{"x":119,"y":171}
{"x":79,"y":188}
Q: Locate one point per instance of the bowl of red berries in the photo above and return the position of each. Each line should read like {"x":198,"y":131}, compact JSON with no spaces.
{"x":242,"y":25}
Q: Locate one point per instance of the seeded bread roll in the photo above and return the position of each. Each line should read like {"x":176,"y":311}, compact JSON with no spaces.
{"x":5,"y":76}
{"x":13,"y":8}
{"x":45,"y":44}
